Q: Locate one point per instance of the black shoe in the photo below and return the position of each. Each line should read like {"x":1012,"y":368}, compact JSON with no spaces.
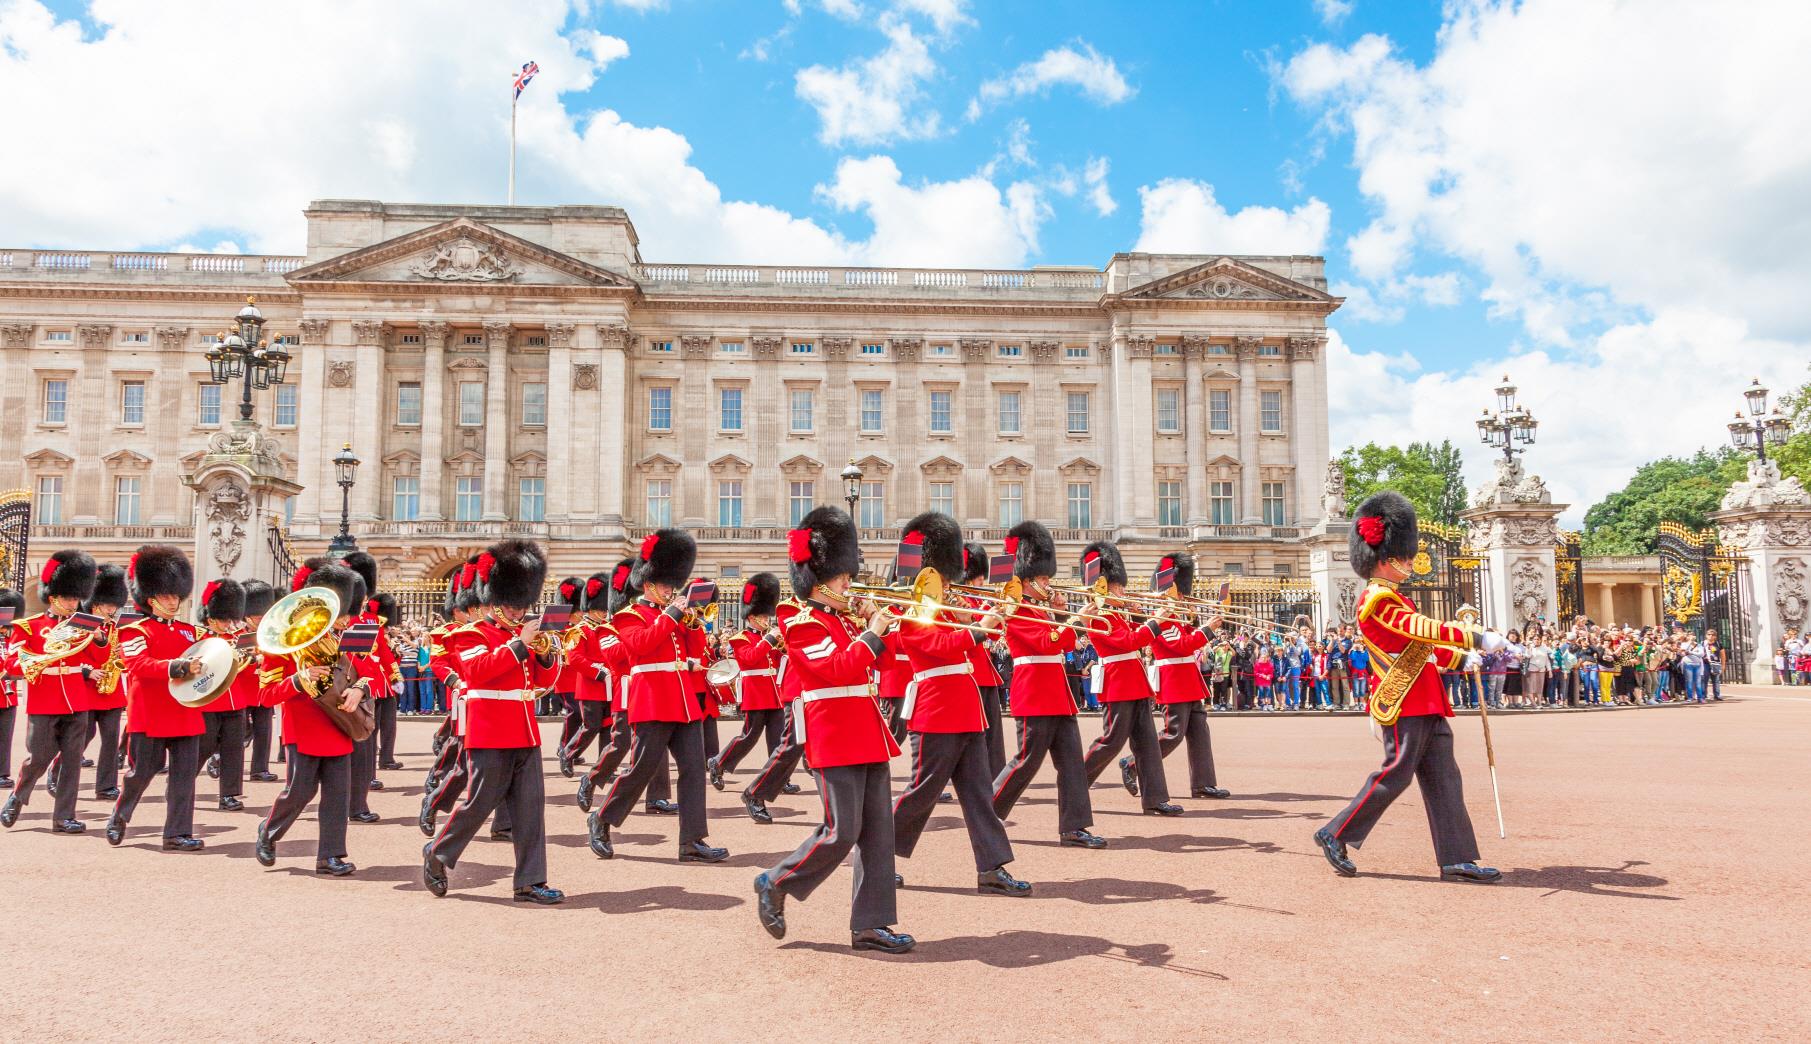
{"x":946,"y":796}
{"x":1000,"y":882}
{"x":377,"y":784}
{"x":264,"y":777}
{"x":6,"y":782}
{"x":585,"y":789}
{"x":565,"y":765}
{"x":1471,"y":872}
{"x":9,"y":812}
{"x":600,"y":837}
{"x":898,"y":880}
{"x":116,"y":830}
{"x":266,"y":849}
{"x":716,"y":774}
{"x":1082,"y":839}
{"x":1212,"y":792}
{"x":214,"y":767}
{"x":334,"y":867}
{"x":502,"y":835}
{"x":89,"y":762}
{"x":367,"y":816}
{"x":183,"y":844}
{"x":425,"y":821}
{"x":1335,"y":851}
{"x":69,"y":826}
{"x":391,"y":766}
{"x":886,"y":940}
{"x":662,"y":807}
{"x":1128,"y":774}
{"x":757,"y":810}
{"x":231,"y":804}
{"x":699,"y":852}
{"x":104,"y":794}
{"x":1168,"y":808}
{"x":770,"y":904}
{"x":792,"y":788}
{"x":433,"y":871}
{"x":50,"y":785}
{"x":541,"y":895}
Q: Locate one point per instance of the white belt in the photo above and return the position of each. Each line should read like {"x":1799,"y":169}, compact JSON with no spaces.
{"x":1119,"y":657}
{"x":691,"y":664}
{"x":1027,"y":661}
{"x":644,"y":668}
{"x":52,"y":671}
{"x":837,"y":692}
{"x":765,"y":672}
{"x":946,"y":671}
{"x":1173,"y":661}
{"x":902,"y":659}
{"x":515,"y":695}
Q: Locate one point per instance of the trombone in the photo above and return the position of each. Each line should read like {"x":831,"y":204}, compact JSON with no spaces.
{"x":921,"y":602}
{"x":1012,"y":594}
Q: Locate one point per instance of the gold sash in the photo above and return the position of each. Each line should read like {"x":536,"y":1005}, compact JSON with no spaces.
{"x":1399,"y":674}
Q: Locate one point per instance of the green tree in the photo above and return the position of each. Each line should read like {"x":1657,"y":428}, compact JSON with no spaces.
{"x":1427,"y":474}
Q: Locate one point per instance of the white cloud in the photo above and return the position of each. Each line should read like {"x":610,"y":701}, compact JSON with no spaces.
{"x":641,"y":5}
{"x":944,"y":15}
{"x":848,"y":10}
{"x":1018,"y":143}
{"x":1332,"y":12}
{"x":1596,"y":161}
{"x":1182,"y":216}
{"x":1389,"y":303}
{"x":604,"y":49}
{"x":966,"y":222}
{"x":1095,"y":174}
{"x":877,"y":99}
{"x":1097,"y":77}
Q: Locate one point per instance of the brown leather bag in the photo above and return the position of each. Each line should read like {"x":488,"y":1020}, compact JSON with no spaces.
{"x":359,"y":723}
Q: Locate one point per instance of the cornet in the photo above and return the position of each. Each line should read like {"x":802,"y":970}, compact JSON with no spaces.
{"x":60,"y":643}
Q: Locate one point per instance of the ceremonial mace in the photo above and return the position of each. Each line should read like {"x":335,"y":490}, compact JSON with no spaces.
{"x":1470,"y":615}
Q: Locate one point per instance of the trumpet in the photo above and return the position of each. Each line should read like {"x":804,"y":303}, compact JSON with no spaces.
{"x":698,"y":617}
{"x":921,"y":602}
{"x":546,"y":643}
{"x":60,"y":643}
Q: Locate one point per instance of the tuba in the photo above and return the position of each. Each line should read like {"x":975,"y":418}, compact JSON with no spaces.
{"x":60,"y":643}
{"x":300,"y":626}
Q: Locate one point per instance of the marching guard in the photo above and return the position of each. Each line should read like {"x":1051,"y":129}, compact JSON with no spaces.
{"x":259,"y":597}
{"x":594,"y":662}
{"x":845,"y":736}
{"x":1408,"y":651}
{"x":107,"y":704}
{"x":55,"y":658}
{"x":1126,"y":691}
{"x":622,"y":594}
{"x":987,"y":676}
{"x":222,"y":611}
{"x":1181,"y":691}
{"x":758,"y":650}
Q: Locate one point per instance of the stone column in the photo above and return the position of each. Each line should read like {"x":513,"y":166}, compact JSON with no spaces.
{"x":311,"y":403}
{"x":433,"y":418}
{"x":1194,"y":349}
{"x":1512,"y":524}
{"x":1606,"y":604}
{"x":909,"y":427}
{"x":1136,"y":402}
{"x":1307,"y":426}
{"x":694,"y":425}
{"x":1650,"y":599}
{"x":88,"y":497}
{"x":496,"y":423}
{"x":1336,"y":587}
{"x":612,"y":463}
{"x":979,"y":444}
{"x":1251,"y":508}
{"x":560,"y":427}
{"x":1045,"y":424}
{"x":1768,"y":519}
{"x":765,"y":416}
{"x":366,"y":436}
{"x":239,"y":491}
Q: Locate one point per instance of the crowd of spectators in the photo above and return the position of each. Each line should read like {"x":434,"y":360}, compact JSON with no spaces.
{"x":1792,"y":660}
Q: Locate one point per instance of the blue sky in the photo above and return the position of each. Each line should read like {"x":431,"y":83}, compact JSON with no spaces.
{"x":1527,"y":187}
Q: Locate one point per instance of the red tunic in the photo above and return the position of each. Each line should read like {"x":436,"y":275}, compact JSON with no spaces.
{"x":444,"y":660}
{"x":757,"y":687}
{"x":1173,"y":654}
{"x":60,"y":688}
{"x":985,"y":674}
{"x":149,"y":645}
{"x":9,"y":669}
{"x":304,"y":723}
{"x":588,"y":664}
{"x":654,"y":643}
{"x":501,"y":676}
{"x":1388,"y":622}
{"x":1039,"y":686}
{"x":789,"y":678}
{"x":1123,"y":678}
{"x":697,"y":651}
{"x":836,"y":712}
{"x":946,"y":697}
{"x":97,"y":656}
{"x":895,"y":668}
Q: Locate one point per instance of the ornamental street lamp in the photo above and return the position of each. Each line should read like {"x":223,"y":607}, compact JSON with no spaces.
{"x":1761,"y":428}
{"x":345,"y":469}
{"x":1510,"y":427}
{"x":244,"y":354}
{"x":852,"y":486}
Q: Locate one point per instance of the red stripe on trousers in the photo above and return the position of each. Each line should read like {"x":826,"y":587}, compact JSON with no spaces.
{"x":1395,"y":733}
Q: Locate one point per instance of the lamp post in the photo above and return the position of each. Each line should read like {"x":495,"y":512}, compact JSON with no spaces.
{"x":1761,"y":428}
{"x":1510,"y":427}
{"x":345,"y":469}
{"x":245,"y":354}
{"x":852,"y":488}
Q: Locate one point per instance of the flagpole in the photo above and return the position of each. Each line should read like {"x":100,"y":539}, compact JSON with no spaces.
{"x":512,"y":144}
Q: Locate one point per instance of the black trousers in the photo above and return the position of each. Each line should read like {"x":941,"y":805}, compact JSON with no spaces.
{"x":144,"y":756}
{"x":571,"y":717}
{"x":386,"y":730}
{"x":224,"y":734}
{"x":364,"y":770}
{"x":996,"y":733}
{"x":1130,"y":720}
{"x":454,"y":780}
{"x":46,"y":737}
{"x":780,"y":762}
{"x":508,"y":777}
{"x":755,"y":725}
{"x":8,"y":716}
{"x":106,"y":724}
{"x":1060,"y":736}
{"x":958,"y":759}
{"x":307,"y":773}
{"x":654,"y":740}
{"x":895,"y":712}
{"x":660,"y":788}
{"x":590,"y":727}
{"x":261,"y":730}
{"x":1422,"y":747}
{"x":1189,"y":721}
{"x":858,"y":814}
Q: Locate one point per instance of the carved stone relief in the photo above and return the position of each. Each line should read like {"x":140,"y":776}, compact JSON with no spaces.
{"x":226,"y":509}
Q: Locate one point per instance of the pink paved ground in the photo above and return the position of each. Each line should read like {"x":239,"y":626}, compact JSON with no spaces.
{"x":1653,"y":891}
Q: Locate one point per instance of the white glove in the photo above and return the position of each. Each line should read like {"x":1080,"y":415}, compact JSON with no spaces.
{"x":1491,"y":641}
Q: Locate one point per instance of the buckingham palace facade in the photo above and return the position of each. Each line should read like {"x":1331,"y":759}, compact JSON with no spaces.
{"x":522,"y":371}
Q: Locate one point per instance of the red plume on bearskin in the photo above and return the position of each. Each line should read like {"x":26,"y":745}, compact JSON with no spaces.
{"x":1383,"y":528}
{"x":622,"y":585}
{"x":835,"y":549}
{"x":941,"y":536}
{"x":1106,"y":554}
{"x":221,"y":600}
{"x":761,"y":595}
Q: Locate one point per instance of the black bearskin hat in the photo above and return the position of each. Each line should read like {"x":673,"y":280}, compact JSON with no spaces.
{"x":11,"y":599}
{"x":383,"y":605}
{"x":594,"y":595}
{"x":511,"y":573}
{"x":941,"y":537}
{"x":822,"y":547}
{"x":109,"y":587}
{"x":68,"y":574}
{"x":299,"y":579}
{"x":1112,"y":566}
{"x":342,"y":581}
{"x":623,"y":589}
{"x":465,"y":584}
{"x":159,"y":569}
{"x":221,"y":600}
{"x":1184,"y":565}
{"x":761,"y":595}
{"x":667,"y":556}
{"x":974,"y":562}
{"x":1032,"y":549}
{"x":364,"y":565}
{"x":571,"y":591}
{"x":259,"y":597}
{"x":1383,"y":528}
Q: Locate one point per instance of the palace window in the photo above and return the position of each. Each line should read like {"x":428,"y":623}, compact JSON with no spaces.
{"x":405,"y":498}
{"x":1165,"y":348}
{"x":1273,"y":503}
{"x":874,"y":349}
{"x":1169,"y":411}
{"x":534,"y":404}
{"x":803,"y":348}
{"x":1078,"y":413}
{"x":471,"y":404}
{"x":135,"y":337}
{"x":56,"y":402}
{"x":1012,"y":351}
{"x":802,"y":401}
{"x":468,"y":498}
{"x":1270,"y":412}
{"x":940,"y":413}
{"x":408,"y":403}
{"x":660,"y":409}
{"x":132,"y":402}
{"x":534,"y":341}
{"x":58,"y":336}
{"x":125,"y":500}
{"x":943,"y":497}
{"x":1270,"y":349}
{"x":1009,"y":413}
{"x":1075,"y":351}
{"x":660,"y":502}
{"x":1169,"y":503}
{"x":48,"y":508}
{"x":286,"y":405}
{"x":873,"y":505}
{"x":531,"y":499}
{"x":1219,"y":503}
{"x":472,"y":338}
{"x":729,"y":502}
{"x":660,"y":346}
{"x":409,"y":338}
{"x":1081,"y":505}
{"x":1012,"y":504}
{"x":942,"y":350}
{"x":1219,"y":410}
{"x":729,"y":409}
{"x":873,"y":417}
{"x":731,"y":347}
{"x":801,"y":497}
{"x":207,"y":411}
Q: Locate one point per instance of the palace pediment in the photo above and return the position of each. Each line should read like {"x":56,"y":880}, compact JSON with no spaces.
{"x":1226,"y":279}
{"x":461,"y":254}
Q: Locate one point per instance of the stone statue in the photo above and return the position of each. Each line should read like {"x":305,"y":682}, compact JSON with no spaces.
{"x":1511,"y":485}
{"x":1333,"y":495}
{"x":467,"y":261}
{"x":1765,"y":488}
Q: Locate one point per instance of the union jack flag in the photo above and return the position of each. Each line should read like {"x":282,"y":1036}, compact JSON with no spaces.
{"x":527,"y":74}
